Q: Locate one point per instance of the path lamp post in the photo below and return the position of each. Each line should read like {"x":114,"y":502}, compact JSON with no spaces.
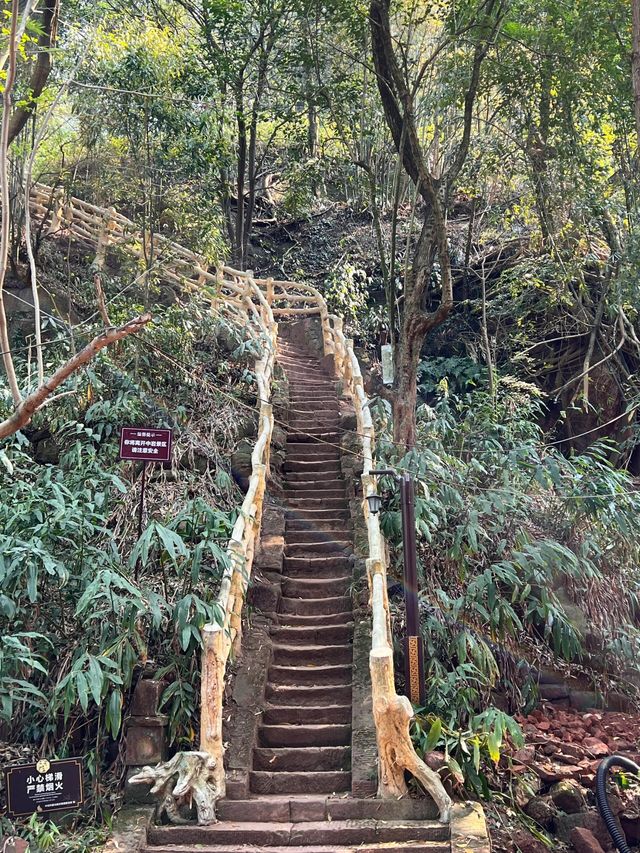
{"x":413,"y":646}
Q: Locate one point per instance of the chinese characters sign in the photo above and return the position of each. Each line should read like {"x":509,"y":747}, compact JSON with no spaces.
{"x":47,"y":786}
{"x":147,"y":445}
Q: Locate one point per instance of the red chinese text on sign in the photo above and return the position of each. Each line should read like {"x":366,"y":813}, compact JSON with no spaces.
{"x":145,"y":444}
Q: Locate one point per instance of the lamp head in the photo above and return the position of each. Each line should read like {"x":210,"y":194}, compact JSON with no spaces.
{"x":375,"y":503}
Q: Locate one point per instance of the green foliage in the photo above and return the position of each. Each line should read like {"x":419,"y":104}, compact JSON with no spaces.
{"x":348,"y":295}
{"x":96,"y":623}
{"x":505,"y":526}
{"x":470,"y":753}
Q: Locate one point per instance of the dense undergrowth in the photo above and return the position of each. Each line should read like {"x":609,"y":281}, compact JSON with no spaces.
{"x":527,"y":559}
{"x":87,"y":606}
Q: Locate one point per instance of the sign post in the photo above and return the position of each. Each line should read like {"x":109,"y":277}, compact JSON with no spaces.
{"x":144,"y":444}
{"x":43,"y":787}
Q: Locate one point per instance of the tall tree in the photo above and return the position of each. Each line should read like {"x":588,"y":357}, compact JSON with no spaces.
{"x":635,"y":64}
{"x":399,"y":83}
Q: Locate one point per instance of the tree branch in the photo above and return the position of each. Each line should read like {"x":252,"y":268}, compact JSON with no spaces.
{"x":25,"y":411}
{"x":481,"y":50}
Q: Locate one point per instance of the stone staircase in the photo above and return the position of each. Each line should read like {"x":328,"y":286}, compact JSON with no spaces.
{"x":300,"y":797}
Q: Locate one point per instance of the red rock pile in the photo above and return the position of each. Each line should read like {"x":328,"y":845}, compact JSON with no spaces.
{"x":559,"y":762}
{"x":567,"y":744}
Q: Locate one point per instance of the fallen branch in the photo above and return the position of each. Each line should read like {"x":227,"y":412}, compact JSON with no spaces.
{"x":25,"y":411}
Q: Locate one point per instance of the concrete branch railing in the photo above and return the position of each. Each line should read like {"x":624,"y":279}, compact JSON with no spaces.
{"x":392,"y":713}
{"x":255,"y":303}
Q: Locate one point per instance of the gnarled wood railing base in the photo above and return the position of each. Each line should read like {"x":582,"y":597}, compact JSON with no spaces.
{"x":392,"y":715}
{"x":188,"y":777}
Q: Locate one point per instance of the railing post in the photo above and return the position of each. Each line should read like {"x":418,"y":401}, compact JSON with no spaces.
{"x":57,"y":215}
{"x":211,"y":697}
{"x":326,"y":329}
{"x":104,"y":238}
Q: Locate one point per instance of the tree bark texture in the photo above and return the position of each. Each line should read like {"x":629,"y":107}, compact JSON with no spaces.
{"x":392,"y":714}
{"x":41,"y":70}
{"x":397,"y":95}
{"x":635,"y":65}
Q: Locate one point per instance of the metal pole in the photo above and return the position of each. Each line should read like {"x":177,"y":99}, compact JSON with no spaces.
{"x":143,"y":486}
{"x":414,"y":653}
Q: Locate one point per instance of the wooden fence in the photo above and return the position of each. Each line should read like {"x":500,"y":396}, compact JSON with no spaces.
{"x":255,"y":304}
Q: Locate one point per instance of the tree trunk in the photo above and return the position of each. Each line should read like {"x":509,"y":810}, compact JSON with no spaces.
{"x":406,"y":386}
{"x":253,"y":141}
{"x":635,"y":65}
{"x":241,"y":167}
{"x":41,"y":69}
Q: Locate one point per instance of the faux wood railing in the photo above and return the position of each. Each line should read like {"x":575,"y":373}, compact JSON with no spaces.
{"x":392,"y":713}
{"x":255,"y":304}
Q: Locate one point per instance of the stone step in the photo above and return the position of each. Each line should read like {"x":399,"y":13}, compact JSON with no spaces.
{"x":295,"y":502}
{"x":321,"y":417}
{"x":306,"y":452}
{"x":312,"y":389}
{"x":319,"y":409}
{"x":325,"y":474}
{"x":295,"y":369}
{"x":296,"y":400}
{"x":312,"y":635}
{"x":321,"y":758}
{"x":309,"y":486}
{"x":311,"y":655}
{"x":309,"y":620}
{"x":314,"y":481}
{"x":320,"y":676}
{"x":317,"y":548}
{"x":329,"y":782}
{"x":316,"y":436}
{"x":315,"y":606}
{"x":313,"y":382}
{"x":305,"y":834}
{"x":295,"y":809}
{"x":311,"y":538}
{"x":333,"y":487}
{"x":303,"y":367}
{"x":320,"y":734}
{"x":311,"y":466}
{"x":316,"y":513}
{"x":407,"y":847}
{"x":292,"y":715}
{"x":298,"y":359}
{"x":314,"y":526}
{"x":317,"y":562}
{"x":313,"y":418}
{"x":316,"y":588}
{"x":301,"y":380}
{"x":316,"y":570}
{"x":310,"y":696}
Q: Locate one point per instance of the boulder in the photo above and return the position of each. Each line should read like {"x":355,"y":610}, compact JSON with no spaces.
{"x":241,"y":466}
{"x":630,"y":824}
{"x":542,"y":810}
{"x":526,"y":843}
{"x":566,"y":823}
{"x":12,"y":844}
{"x":584,"y":841}
{"x":568,"y":797}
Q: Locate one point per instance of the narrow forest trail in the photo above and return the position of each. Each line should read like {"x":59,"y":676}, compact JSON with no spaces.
{"x":300,"y":786}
